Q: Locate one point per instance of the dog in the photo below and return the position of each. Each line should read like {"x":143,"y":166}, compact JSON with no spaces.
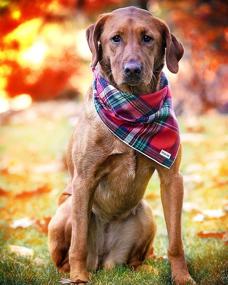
{"x":102,"y":219}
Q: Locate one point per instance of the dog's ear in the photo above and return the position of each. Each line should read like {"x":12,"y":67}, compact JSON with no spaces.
{"x":174,"y":51}
{"x":93,"y":34}
{"x":173,"y":48}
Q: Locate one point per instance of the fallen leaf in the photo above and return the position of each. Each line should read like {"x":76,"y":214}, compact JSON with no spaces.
{"x":225,"y":208}
{"x":39,"y":261}
{"x":48,"y":168}
{"x":21,"y":250}
{"x":158,"y":213}
{"x":40,"y":190}
{"x":192,"y":124}
{"x":219,"y":183}
{"x":65,"y":281}
{"x":198,"y":218}
{"x":209,"y":214}
{"x":3,"y":192}
{"x":190,"y":207}
{"x":195,"y":129}
{"x":4,"y":171}
{"x":147,"y":268}
{"x":213,"y":234}
{"x":223,"y":169}
{"x":215,"y":213}
{"x":225,"y":238}
{"x":22,"y":223}
{"x":42,"y":224}
{"x":152,"y":196}
{"x":164,"y":257}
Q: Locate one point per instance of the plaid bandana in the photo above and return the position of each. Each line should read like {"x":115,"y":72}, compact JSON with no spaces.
{"x":146,"y":123}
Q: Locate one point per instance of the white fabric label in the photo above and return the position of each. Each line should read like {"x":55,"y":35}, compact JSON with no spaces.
{"x":165,"y":154}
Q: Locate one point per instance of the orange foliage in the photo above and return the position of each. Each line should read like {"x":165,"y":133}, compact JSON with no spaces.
{"x":33,"y":61}
{"x":40,"y":190}
{"x":29,"y":52}
{"x":202,"y":28}
{"x":203,"y":25}
{"x":29,"y":63}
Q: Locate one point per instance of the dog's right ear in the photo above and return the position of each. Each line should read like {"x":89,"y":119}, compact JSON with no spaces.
{"x":93,"y":34}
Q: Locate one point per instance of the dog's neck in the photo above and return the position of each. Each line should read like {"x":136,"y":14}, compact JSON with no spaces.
{"x":137,"y":90}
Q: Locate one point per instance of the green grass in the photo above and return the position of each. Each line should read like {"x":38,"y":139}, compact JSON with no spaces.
{"x":23,"y":146}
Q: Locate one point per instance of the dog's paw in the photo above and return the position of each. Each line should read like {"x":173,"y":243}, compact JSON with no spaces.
{"x":70,"y":282}
{"x":80,"y":277}
{"x":185,"y":279}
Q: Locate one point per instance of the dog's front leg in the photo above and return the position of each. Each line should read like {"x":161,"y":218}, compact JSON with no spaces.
{"x":172,"y":200}
{"x":83,"y":191}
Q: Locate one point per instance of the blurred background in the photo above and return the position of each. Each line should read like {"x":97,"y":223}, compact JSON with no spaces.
{"x":44,"y":74}
{"x":44,"y":54}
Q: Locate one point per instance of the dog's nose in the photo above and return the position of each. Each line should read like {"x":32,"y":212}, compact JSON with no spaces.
{"x":132,"y":68}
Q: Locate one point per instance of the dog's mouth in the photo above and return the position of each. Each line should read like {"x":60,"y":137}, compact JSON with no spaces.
{"x":132,"y":80}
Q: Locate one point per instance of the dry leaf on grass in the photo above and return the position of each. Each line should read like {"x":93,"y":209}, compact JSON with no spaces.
{"x":39,"y":261}
{"x":4,"y":171}
{"x":152,"y":196}
{"x":190,"y":207}
{"x":48,"y":168}
{"x":209,"y":215}
{"x":214,"y":213}
{"x":156,"y":257}
{"x":198,"y":218}
{"x":193,"y":125}
{"x":21,"y":250}
{"x":225,"y":207}
{"x":22,"y":223}
{"x":40,"y":190}
{"x":211,"y":234}
{"x":158,"y":213}
{"x":65,"y":281}
{"x":223,"y":169}
{"x":42,"y":225}
{"x":3,"y":193}
{"x":147,"y":268}
{"x":225,"y":238}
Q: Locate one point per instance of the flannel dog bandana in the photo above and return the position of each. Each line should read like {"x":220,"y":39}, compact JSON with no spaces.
{"x":146,"y":123}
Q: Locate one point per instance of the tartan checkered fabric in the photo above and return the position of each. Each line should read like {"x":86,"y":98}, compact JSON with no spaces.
{"x":146,"y":123}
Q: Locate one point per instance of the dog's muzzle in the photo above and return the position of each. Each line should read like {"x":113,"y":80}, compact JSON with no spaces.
{"x":132,"y":72}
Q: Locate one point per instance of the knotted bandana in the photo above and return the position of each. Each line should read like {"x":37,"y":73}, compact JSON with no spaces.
{"x":146,"y":123}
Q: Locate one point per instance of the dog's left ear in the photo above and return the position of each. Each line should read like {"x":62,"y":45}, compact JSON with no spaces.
{"x":174,"y":51}
{"x":93,"y":34}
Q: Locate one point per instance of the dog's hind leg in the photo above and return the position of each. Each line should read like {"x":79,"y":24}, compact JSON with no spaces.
{"x":129,"y":241}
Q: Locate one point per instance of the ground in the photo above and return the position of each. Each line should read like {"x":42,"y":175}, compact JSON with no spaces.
{"x":33,"y":174}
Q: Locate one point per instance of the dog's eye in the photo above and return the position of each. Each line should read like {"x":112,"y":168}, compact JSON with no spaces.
{"x":147,"y":39}
{"x":116,"y":39}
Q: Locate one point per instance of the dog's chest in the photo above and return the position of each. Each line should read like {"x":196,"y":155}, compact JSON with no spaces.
{"x":123,"y":187}
{"x":124,"y":173}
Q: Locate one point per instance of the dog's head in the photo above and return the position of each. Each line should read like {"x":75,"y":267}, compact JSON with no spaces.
{"x":130,"y":45}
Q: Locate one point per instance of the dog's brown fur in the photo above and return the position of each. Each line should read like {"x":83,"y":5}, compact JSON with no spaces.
{"x":102,"y":219}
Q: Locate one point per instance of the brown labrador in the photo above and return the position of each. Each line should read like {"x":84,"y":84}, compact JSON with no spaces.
{"x":102,"y":219}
